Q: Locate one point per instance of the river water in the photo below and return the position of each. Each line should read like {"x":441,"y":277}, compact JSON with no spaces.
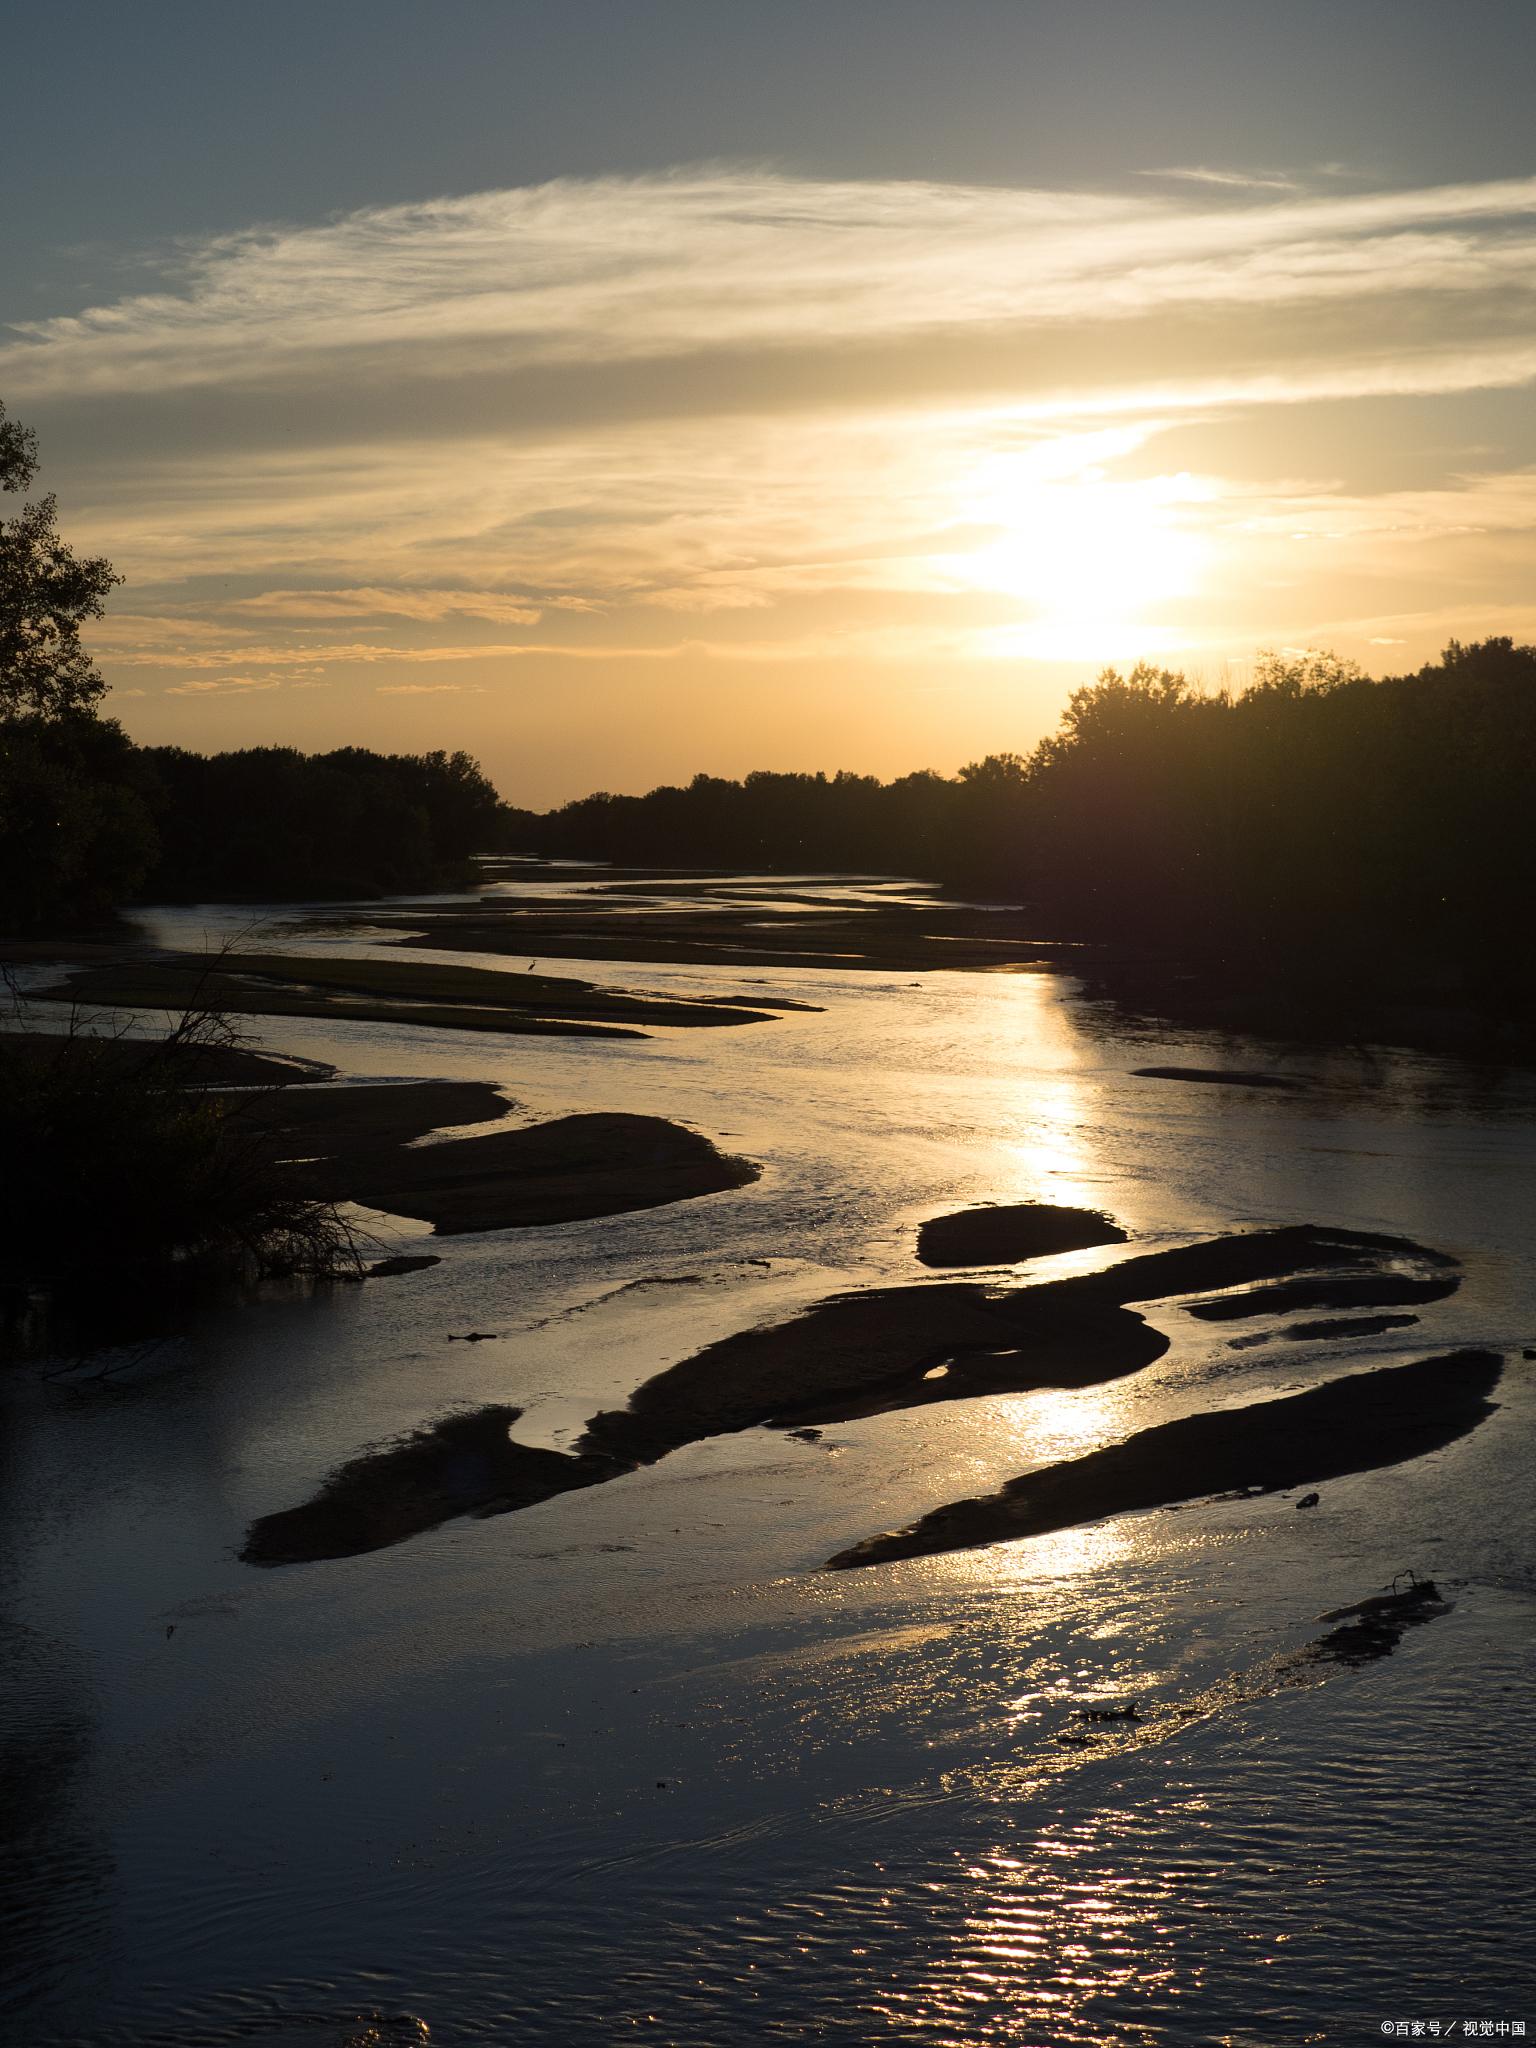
{"x":627,"y":1765}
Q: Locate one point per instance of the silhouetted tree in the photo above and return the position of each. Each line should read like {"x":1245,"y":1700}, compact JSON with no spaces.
{"x":46,"y":593}
{"x":1364,"y":833}
{"x":75,"y":835}
{"x":273,"y":822}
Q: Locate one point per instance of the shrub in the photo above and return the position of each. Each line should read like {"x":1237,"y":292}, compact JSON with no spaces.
{"x":127,"y":1175}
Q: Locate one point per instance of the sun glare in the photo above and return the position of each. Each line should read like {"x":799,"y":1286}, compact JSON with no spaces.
{"x":1090,"y":555}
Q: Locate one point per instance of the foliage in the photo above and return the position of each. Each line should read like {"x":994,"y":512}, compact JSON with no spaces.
{"x":87,"y":820}
{"x":46,"y":594}
{"x":1315,"y":816}
{"x":76,"y":835}
{"x":1315,"y":813}
{"x":770,"y":820}
{"x":272,"y":822}
{"x":135,"y":1172}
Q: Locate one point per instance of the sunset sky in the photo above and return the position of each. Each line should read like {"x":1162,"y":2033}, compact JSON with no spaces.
{"x":622,"y":388}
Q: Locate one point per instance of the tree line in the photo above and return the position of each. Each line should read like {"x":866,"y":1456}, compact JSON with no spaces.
{"x":1314,"y":815}
{"x":88,"y":820}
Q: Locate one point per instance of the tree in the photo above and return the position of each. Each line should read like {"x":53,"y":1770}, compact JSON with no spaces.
{"x":46,"y":593}
{"x":1300,"y":672}
{"x":75,"y":835}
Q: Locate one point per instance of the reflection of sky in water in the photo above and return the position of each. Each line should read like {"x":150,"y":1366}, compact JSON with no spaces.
{"x":430,"y":1780}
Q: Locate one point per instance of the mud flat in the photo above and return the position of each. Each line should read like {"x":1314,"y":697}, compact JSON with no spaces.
{"x":1329,"y":1327}
{"x":328,"y":1128}
{"x":564,"y":1171}
{"x":1246,"y":1258}
{"x":1356,"y":1424}
{"x":1345,"y":1291}
{"x":1225,"y":1077}
{"x":703,"y":923}
{"x":852,"y":1355}
{"x":356,"y":1143}
{"x":901,"y":1347}
{"x":865,"y":1354}
{"x":463,"y":1464}
{"x":399,"y":991}
{"x":1005,"y":1234}
{"x":1324,"y":1330}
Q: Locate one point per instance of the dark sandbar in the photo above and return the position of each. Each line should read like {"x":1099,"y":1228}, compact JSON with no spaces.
{"x":852,"y":1355}
{"x":356,"y":1144}
{"x":1373,"y":1628}
{"x":1358,"y":1424}
{"x":463,"y":1463}
{"x":403,"y":1263}
{"x":395,"y":991}
{"x":1229,"y":1077}
{"x":1003,"y":1234}
{"x":1350,"y":1290}
{"x":322,"y":1125}
{"x":701,"y":927}
{"x":560,"y":1172}
{"x":1344,"y":1326}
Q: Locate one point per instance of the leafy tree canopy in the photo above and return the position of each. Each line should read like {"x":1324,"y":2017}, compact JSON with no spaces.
{"x":46,"y":594}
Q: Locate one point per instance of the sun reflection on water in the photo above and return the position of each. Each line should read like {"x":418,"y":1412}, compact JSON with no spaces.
{"x":1049,"y":1944}
{"x":1049,"y":1144}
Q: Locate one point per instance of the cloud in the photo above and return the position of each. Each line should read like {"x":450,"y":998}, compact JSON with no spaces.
{"x":1246,"y":181}
{"x":600,"y":271}
{"x":211,"y":685}
{"x":708,"y":597}
{"x":425,"y":689}
{"x":308,"y":653}
{"x":367,"y":601}
{"x":611,"y":407}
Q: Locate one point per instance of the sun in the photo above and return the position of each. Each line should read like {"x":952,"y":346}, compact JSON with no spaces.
{"x":1091,"y":556}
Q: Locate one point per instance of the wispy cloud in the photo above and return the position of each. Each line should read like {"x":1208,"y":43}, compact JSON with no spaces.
{"x":606,"y":270}
{"x":369,"y":601}
{"x":426,"y":689}
{"x":1245,"y":181}
{"x":212,"y":685}
{"x":305,"y":654}
{"x":837,"y":421}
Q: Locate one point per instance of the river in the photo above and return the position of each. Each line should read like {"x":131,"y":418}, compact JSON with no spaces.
{"x":628,"y":1765}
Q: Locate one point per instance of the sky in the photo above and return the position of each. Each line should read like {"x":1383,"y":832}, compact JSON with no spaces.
{"x":623,"y":389}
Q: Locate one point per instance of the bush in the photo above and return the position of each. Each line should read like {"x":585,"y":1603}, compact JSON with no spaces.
{"x":125,"y":1175}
